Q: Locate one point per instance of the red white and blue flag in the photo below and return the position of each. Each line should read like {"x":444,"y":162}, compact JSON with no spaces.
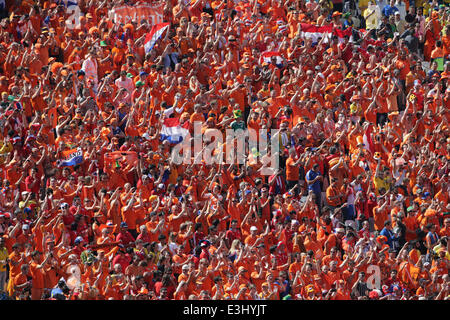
{"x":267,"y":57}
{"x":71,"y":157}
{"x":172,"y":131}
{"x":367,"y":140}
{"x":154,"y":35}
{"x":313,"y":32}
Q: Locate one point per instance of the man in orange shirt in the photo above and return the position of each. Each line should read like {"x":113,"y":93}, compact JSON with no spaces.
{"x":381,"y":213}
{"x":292,"y":170}
{"x":37,"y":272}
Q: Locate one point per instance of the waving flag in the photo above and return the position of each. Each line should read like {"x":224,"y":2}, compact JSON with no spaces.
{"x":71,"y":157}
{"x":313,"y":32}
{"x":172,"y":130}
{"x":154,"y":35}
{"x":367,"y":139}
{"x":119,"y":159}
{"x":267,"y":56}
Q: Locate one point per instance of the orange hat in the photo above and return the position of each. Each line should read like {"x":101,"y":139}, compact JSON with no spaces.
{"x":143,"y":291}
{"x":242,"y":286}
{"x":392,"y":115}
{"x":211,"y":119}
{"x":55,"y":67}
{"x":93,"y":30}
{"x":194,"y":19}
{"x":336,"y":14}
{"x":330,"y":86}
{"x":128,"y":26}
{"x":359,"y":140}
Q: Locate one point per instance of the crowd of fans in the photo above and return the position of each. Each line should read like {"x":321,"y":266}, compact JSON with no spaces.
{"x":357,"y":210}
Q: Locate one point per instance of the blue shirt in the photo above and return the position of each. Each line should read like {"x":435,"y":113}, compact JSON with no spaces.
{"x":388,"y":10}
{"x":315,"y":187}
{"x":389,"y":235}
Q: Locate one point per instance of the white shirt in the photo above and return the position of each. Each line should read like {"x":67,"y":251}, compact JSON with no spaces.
{"x":90,"y":68}
{"x":126,"y":84}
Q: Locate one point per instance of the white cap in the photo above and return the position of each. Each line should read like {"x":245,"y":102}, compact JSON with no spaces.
{"x":25,"y":227}
{"x":253,"y":228}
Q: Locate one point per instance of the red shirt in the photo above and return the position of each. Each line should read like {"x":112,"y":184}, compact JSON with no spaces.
{"x":35,"y":189}
{"x":125,"y":238}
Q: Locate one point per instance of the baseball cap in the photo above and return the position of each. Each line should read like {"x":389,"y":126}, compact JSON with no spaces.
{"x":78,"y":240}
{"x":253,"y":228}
{"x":123,"y":224}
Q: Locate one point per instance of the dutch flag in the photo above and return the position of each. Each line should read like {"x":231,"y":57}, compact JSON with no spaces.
{"x":367,"y":139}
{"x":154,"y":35}
{"x":267,"y":57}
{"x":172,"y":130}
{"x":309,"y":31}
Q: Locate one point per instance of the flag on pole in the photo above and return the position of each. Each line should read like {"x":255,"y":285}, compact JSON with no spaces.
{"x":154,"y":35}
{"x":172,"y":131}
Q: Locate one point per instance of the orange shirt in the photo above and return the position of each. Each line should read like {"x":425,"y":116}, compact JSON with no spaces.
{"x":292,"y":170}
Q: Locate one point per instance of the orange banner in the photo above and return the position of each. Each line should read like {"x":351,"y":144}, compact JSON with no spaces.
{"x":119,"y":159}
{"x":153,"y":13}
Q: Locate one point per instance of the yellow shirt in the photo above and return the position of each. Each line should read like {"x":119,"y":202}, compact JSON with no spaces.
{"x":3,"y":256}
{"x":363,"y":4}
{"x":373,"y":21}
{"x":380,"y":183}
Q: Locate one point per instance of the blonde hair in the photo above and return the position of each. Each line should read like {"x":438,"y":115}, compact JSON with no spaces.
{"x":234,"y":245}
